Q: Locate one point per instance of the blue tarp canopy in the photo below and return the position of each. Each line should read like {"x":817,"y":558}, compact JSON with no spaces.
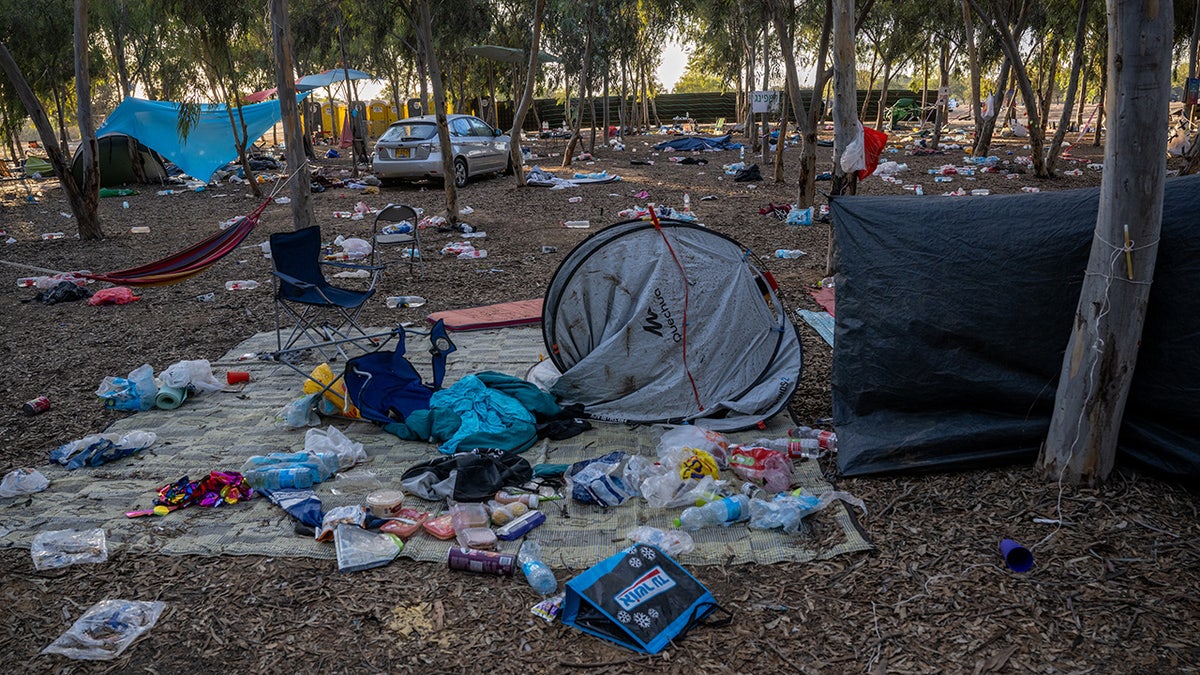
{"x":695,"y":143}
{"x":208,"y":146}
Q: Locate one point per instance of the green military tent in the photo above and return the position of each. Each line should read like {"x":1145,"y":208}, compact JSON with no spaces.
{"x":123,"y":160}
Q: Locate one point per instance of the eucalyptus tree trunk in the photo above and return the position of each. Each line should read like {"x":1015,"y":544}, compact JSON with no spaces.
{"x":983,"y":141}
{"x":514,"y":146}
{"x":584,"y":77}
{"x":845,"y":121}
{"x":1072,"y":87}
{"x":297,"y":161}
{"x":1101,"y":355}
{"x":54,"y":151}
{"x":89,"y":191}
{"x":943,"y":103}
{"x":1008,"y":43}
{"x":425,"y":30}
{"x":973,"y":66}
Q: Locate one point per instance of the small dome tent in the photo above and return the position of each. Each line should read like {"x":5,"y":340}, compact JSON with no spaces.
{"x":668,"y":323}
{"x":123,"y":160}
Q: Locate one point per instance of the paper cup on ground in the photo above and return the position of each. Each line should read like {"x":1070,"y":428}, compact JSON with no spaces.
{"x":237,"y":376}
{"x":1017,"y":557}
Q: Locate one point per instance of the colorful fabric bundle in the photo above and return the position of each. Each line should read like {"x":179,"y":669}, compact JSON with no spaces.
{"x":219,"y":487}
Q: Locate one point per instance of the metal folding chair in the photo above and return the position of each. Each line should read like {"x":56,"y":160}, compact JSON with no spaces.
{"x":410,"y":240}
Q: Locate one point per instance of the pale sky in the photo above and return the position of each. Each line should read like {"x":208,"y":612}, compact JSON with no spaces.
{"x":674,"y":62}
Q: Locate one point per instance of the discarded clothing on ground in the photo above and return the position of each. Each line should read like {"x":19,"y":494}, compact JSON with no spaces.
{"x":485,"y":410}
{"x":467,"y":476}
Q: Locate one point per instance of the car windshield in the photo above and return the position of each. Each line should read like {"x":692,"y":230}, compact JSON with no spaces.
{"x":414,"y":131}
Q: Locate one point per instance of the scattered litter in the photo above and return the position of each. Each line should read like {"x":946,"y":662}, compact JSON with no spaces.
{"x":106,"y":629}
{"x":97,"y":449}
{"x":463,"y":250}
{"x":23,"y":482}
{"x":60,"y":548}
{"x":117,"y":295}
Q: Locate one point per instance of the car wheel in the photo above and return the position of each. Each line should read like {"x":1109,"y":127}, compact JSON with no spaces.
{"x":508,"y":170}
{"x":460,"y":172}
{"x":389,"y":182}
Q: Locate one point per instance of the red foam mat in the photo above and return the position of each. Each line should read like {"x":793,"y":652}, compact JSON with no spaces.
{"x":503,"y":315}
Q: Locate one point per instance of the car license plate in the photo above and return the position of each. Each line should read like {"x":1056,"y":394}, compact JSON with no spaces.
{"x":401,"y":153}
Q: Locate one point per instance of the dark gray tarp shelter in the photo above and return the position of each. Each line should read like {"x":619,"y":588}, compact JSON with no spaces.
{"x":668,"y":325}
{"x":953,"y":316}
{"x":123,"y":161}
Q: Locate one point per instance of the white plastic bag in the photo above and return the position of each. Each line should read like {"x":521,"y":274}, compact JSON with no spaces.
{"x":332,"y":440}
{"x":196,"y":375}
{"x":106,"y":629}
{"x":854,"y":157}
{"x":691,"y":436}
{"x":1019,"y":130}
{"x":356,"y":248}
{"x":23,"y":482}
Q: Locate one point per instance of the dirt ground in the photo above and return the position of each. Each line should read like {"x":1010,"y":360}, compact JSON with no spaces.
{"x":1114,"y":588}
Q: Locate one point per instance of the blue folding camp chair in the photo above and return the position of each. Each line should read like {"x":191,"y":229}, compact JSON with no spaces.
{"x":325,"y":316}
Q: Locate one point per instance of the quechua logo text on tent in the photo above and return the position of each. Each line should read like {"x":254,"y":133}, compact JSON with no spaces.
{"x":649,"y":585}
{"x":655,"y":320}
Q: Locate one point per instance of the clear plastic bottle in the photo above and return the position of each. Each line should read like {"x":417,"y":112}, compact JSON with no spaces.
{"x":687,"y":202}
{"x":287,"y":478}
{"x":788,"y":253}
{"x":725,"y":512}
{"x":826,"y":440}
{"x":241,"y":285}
{"x":405,"y":301}
{"x":537,"y":573}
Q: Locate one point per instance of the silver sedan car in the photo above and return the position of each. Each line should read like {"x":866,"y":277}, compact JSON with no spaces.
{"x":409,"y":149}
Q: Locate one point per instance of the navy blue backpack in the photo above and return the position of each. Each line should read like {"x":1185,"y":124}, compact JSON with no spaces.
{"x":387,"y":388}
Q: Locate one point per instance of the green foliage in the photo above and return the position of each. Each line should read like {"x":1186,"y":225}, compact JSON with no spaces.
{"x":695,"y":80}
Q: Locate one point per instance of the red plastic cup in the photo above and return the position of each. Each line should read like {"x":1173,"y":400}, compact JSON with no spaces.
{"x":237,"y":376}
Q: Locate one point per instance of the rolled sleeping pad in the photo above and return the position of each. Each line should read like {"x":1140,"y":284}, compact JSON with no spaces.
{"x":170,"y":398}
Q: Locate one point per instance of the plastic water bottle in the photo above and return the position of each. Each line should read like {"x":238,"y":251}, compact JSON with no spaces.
{"x":788,"y":253}
{"x":166,"y":192}
{"x":742,"y":153}
{"x":405,"y":301}
{"x":725,"y":512}
{"x":537,"y":573}
{"x":826,"y":440}
{"x":241,"y":285}
{"x":687,"y":202}
{"x":280,"y":478}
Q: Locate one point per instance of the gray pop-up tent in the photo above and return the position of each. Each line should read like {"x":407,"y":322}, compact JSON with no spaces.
{"x":953,"y":316}
{"x":123,"y":160}
{"x":668,"y":324}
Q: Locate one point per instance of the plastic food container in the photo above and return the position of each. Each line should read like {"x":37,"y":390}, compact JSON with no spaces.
{"x":477,"y":538}
{"x":405,"y":523}
{"x":441,"y":527}
{"x":385,"y":503}
{"x":468,"y":515}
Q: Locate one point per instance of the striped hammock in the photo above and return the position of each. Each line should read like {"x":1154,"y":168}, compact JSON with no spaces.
{"x":188,"y":262}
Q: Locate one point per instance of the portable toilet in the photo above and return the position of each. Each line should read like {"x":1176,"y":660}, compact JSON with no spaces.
{"x":379,"y":116}
{"x":328,"y":109}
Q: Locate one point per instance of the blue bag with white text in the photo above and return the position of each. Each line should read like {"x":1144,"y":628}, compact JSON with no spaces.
{"x":640,"y":599}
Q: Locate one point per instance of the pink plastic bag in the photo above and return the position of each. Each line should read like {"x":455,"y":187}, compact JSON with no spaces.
{"x":117,"y":295}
